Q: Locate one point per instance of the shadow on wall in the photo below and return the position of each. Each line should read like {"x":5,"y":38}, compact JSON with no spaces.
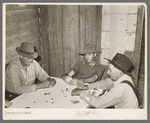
{"x":39,"y":58}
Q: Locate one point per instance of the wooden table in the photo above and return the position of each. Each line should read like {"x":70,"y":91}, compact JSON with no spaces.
{"x":58,"y":96}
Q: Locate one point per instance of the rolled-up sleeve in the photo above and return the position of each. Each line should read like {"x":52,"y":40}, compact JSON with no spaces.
{"x":40,"y":73}
{"x":19,"y":87}
{"x":103,"y":84}
{"x":76,"y":67}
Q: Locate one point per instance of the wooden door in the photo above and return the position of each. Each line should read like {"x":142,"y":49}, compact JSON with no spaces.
{"x":69,"y":28}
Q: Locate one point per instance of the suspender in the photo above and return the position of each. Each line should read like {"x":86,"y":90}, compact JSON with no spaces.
{"x":133,"y":88}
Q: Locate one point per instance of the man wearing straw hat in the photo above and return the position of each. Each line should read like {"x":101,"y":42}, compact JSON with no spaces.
{"x":21,"y":73}
{"x":87,"y":70}
{"x":122,"y":93}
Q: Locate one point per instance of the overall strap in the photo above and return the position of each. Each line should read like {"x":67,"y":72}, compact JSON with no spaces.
{"x":133,"y":88}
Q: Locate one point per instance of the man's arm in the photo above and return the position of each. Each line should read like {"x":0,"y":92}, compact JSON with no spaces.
{"x":99,"y":72}
{"x":13,"y":73}
{"x":39,"y":71}
{"x":82,"y":81}
{"x":68,"y":77}
{"x":103,"y":84}
{"x":46,"y":80}
{"x":90,"y":80}
{"x":110,"y":98}
{"x":8,"y":103}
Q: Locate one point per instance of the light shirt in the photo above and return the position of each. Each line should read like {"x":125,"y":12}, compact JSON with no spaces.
{"x":20,"y":79}
{"x":121,"y":95}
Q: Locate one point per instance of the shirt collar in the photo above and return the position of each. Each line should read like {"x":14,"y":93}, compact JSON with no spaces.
{"x":85,"y":62}
{"x":19,"y":64}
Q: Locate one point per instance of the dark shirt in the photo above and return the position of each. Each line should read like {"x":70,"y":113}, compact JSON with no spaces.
{"x":83,"y":70}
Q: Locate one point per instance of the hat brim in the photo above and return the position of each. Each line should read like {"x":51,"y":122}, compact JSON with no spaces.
{"x":89,"y":52}
{"x":113,"y":63}
{"x":30,"y":56}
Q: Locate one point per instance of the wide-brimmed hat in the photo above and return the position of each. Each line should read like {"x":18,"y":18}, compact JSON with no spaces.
{"x":122,"y":62}
{"x":26,"y":49}
{"x":89,"y":49}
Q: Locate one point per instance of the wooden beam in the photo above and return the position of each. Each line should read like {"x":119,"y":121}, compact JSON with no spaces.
{"x":50,"y":11}
{"x":11,"y":51}
{"x":139,"y":29}
{"x":45,"y":40}
{"x":82,"y":28}
{"x":26,"y":36}
{"x":73,"y":37}
{"x":138,"y":40}
{"x":22,"y":15}
{"x":20,"y":7}
{"x":58,"y":55}
{"x":98,"y":28}
{"x":11,"y":59}
{"x":20,"y":27}
{"x":90,"y":25}
{"x":66,"y":21}
{"x":135,"y":55}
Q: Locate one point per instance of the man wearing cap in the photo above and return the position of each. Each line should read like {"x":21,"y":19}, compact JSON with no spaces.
{"x":21,"y":73}
{"x":120,"y":95}
{"x":87,"y":70}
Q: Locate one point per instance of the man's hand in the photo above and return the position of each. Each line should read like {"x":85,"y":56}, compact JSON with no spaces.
{"x":83,"y":95}
{"x":44,"y":84}
{"x":75,"y":82}
{"x":52,"y":82}
{"x":7,"y":103}
{"x":68,"y":79}
{"x":83,"y":87}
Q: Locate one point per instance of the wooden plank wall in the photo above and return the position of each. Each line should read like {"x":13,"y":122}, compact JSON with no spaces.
{"x":135,"y":55}
{"x":55,"y":41}
{"x":138,"y":40}
{"x":22,"y":24}
{"x":141,"y":74}
{"x":138,"y":55}
{"x":70,"y":22}
{"x":44,"y":37}
{"x":69,"y":29}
